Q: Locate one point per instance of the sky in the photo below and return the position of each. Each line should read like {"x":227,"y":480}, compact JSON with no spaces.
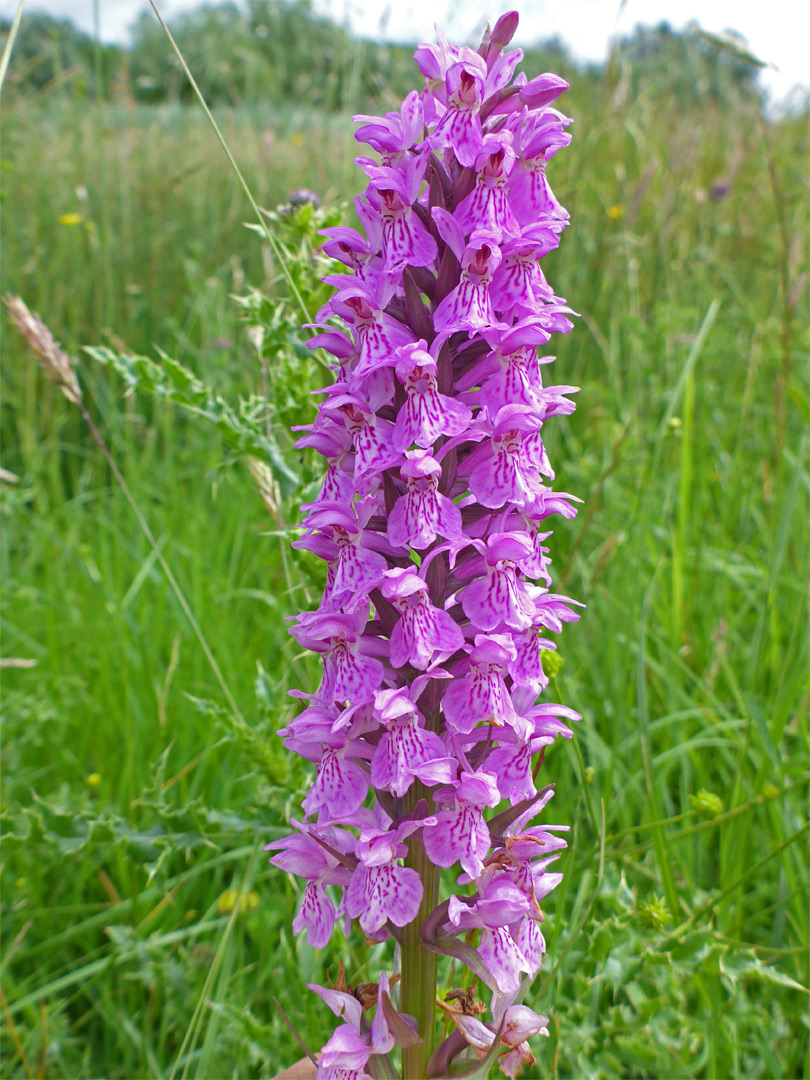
{"x":778,"y":33}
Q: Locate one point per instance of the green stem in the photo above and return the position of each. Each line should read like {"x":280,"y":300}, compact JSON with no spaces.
{"x":418,"y":963}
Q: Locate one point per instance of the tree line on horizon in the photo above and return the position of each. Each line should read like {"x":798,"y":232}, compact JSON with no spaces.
{"x":282,"y":50}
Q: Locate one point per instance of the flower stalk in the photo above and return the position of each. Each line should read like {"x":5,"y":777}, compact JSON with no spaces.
{"x":419,"y":965}
{"x":434,"y":621}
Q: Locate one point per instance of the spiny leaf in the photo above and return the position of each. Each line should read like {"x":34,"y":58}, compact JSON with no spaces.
{"x":243,"y":428}
{"x":746,"y":964}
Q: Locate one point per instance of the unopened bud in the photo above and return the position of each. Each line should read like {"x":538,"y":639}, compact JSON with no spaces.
{"x":707,"y":804}
{"x":301,"y":196}
{"x":552,"y":662}
{"x":504,"y":29}
{"x":654,"y":914}
{"x":500,"y":36}
{"x":543,"y":90}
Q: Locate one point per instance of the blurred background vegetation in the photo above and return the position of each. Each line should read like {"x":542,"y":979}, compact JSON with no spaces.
{"x":281,"y":50}
{"x":143,"y":933}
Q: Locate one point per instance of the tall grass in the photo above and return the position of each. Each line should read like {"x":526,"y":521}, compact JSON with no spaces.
{"x":678,"y":941}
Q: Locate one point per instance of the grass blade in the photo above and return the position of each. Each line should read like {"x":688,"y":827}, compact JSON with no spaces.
{"x":12,"y":37}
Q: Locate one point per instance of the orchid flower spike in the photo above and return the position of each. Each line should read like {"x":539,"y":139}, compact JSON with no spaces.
{"x":425,"y":733}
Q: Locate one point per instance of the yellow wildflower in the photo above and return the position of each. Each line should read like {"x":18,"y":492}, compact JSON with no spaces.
{"x":249,"y":901}
{"x":228,"y":900}
{"x":71,"y":218}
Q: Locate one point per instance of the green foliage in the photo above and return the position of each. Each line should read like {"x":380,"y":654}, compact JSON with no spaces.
{"x":275,"y":51}
{"x":133,"y":800}
{"x":52,"y":54}
{"x":642,"y":1002}
{"x":243,"y":428}
{"x":283,"y":51}
{"x":246,"y":426}
{"x":692,"y":68}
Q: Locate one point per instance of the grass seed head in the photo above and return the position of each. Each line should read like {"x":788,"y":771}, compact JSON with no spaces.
{"x":55,"y":362}
{"x":266,"y":484}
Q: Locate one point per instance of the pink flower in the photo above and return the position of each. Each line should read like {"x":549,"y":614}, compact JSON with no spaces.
{"x":423,"y":630}
{"x":422,"y":513}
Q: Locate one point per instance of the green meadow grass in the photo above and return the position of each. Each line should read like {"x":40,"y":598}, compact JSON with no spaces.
{"x":678,"y":940}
